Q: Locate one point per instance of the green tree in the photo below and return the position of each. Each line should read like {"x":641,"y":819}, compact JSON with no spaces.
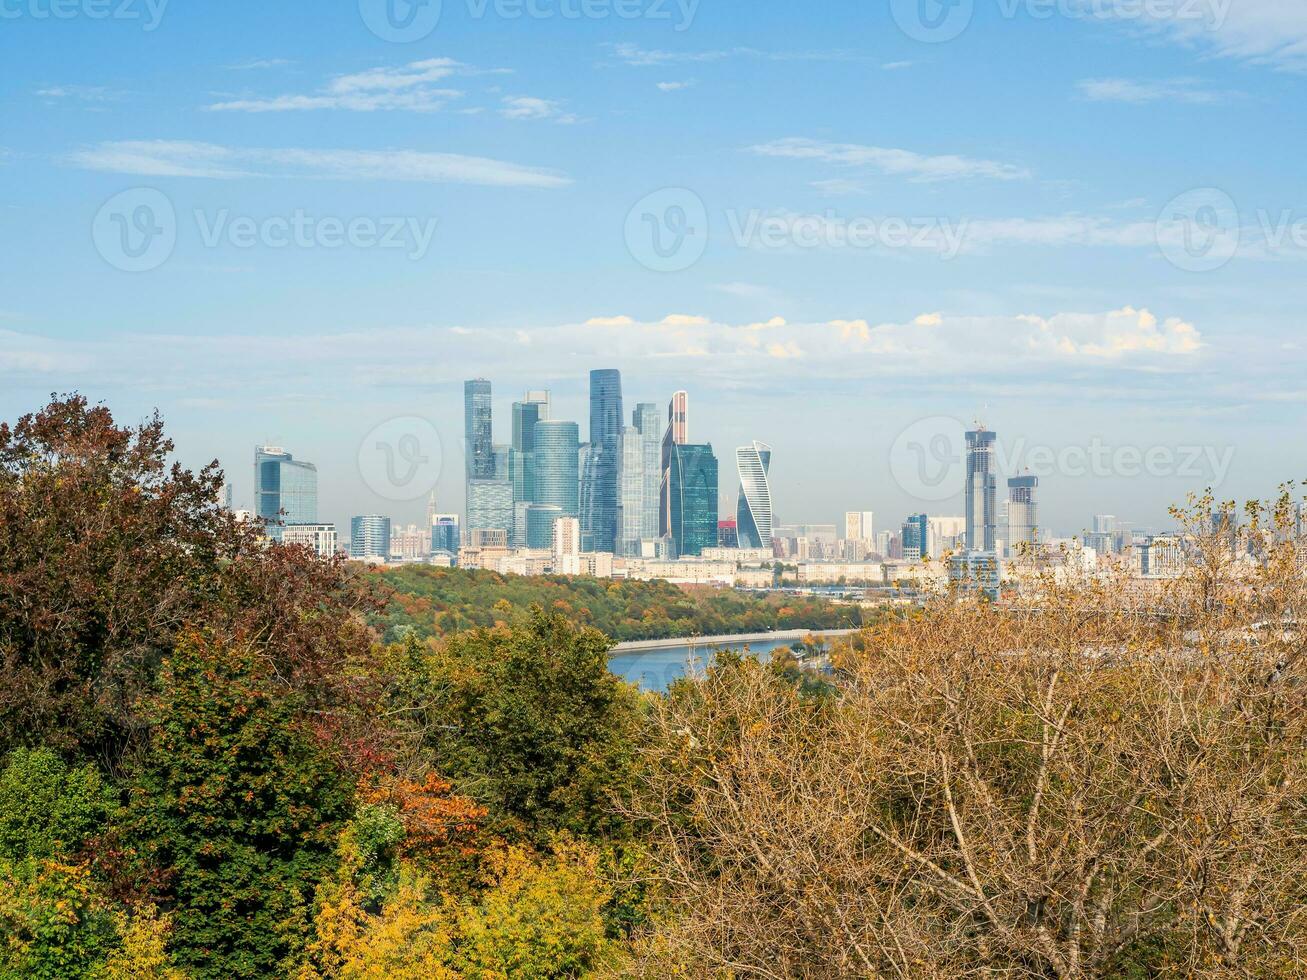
{"x":48,"y":808}
{"x":530,"y":722}
{"x":240,"y":804}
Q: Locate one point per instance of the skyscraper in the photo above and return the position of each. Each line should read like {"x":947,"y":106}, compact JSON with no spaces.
{"x":677,"y":434}
{"x":478,"y":430}
{"x":860,"y":525}
{"x":557,"y":444}
{"x":914,"y":536}
{"x":369,"y":537}
{"x":693,"y":491}
{"x":640,"y":478}
{"x":1022,"y":513}
{"x":753,"y":510}
{"x":600,"y":491}
{"x":981,"y":491}
{"x":285,"y":490}
{"x":526,"y":413}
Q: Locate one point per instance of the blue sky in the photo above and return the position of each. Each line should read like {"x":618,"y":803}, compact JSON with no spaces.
{"x":1084,"y":222}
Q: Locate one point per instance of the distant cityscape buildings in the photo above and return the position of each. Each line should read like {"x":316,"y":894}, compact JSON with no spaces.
{"x":639,"y":499}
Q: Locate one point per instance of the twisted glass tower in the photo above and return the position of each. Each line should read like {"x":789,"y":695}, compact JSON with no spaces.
{"x":753,"y":513}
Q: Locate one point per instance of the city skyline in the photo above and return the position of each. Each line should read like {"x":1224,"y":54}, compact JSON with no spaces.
{"x":849,"y":238}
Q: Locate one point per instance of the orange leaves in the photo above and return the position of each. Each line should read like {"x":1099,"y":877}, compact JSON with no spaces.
{"x":433,"y":816}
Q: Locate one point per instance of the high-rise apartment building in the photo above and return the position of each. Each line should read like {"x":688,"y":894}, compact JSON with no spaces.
{"x":600,"y":490}
{"x":693,"y":491}
{"x":369,"y":537}
{"x":981,"y":491}
{"x":753,"y":509}
{"x":285,"y":490}
{"x":567,"y":546}
{"x":859,"y":525}
{"x":1022,"y":514}
{"x":557,"y":445}
{"x":677,"y":433}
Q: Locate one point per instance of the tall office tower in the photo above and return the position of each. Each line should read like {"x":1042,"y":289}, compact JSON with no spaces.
{"x":693,"y":491}
{"x":1022,"y":514}
{"x":753,"y":513}
{"x":677,"y":434}
{"x":445,"y":535}
{"x":478,"y":430}
{"x":557,"y":445}
{"x":1104,"y":524}
{"x":522,"y":459}
{"x":914,"y":536}
{"x":640,"y":478}
{"x":859,"y":525}
{"x":369,"y":537}
{"x":600,"y":480}
{"x":981,"y":491}
{"x":285,"y":490}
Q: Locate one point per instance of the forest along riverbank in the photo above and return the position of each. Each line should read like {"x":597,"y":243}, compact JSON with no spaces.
{"x":655,"y":664}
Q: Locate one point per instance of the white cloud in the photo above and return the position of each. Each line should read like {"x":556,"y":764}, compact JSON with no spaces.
{"x":529,"y":107}
{"x":893,"y":162}
{"x":258,"y":64}
{"x":167,"y":158}
{"x":632,"y":54}
{"x":897,"y":65}
{"x":92,"y":94}
{"x":1184,"y":90}
{"x":674,"y":86}
{"x":1261,"y":31}
{"x":408,"y":88}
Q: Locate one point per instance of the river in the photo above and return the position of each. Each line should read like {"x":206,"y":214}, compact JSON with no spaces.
{"x":655,"y":664}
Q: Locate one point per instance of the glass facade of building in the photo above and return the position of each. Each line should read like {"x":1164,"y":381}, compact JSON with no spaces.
{"x":540,"y":520}
{"x":369,"y":537}
{"x":693,"y":505}
{"x":285,"y":490}
{"x":557,"y":448}
{"x":753,"y":513}
{"x":445,"y":536}
{"x":600,"y":492}
{"x":1022,"y":513}
{"x":915,"y":534}
{"x":478,"y":430}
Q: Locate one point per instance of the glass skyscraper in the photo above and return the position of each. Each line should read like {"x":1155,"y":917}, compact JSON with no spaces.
{"x":753,"y":512}
{"x":369,"y":537}
{"x":677,"y":434}
{"x":526,"y":414}
{"x":915,"y":533}
{"x":599,"y":511}
{"x":478,"y":430}
{"x":981,"y":492}
{"x":285,"y":490}
{"x":640,"y":478}
{"x":557,"y":448}
{"x":693,"y":491}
